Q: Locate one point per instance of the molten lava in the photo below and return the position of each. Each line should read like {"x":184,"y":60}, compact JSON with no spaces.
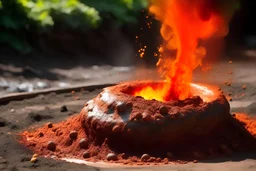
{"x":185,"y":24}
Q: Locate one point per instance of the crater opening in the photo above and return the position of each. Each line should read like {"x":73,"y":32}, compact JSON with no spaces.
{"x":159,"y":90}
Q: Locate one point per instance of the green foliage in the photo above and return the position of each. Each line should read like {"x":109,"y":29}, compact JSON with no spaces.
{"x":123,"y":11}
{"x":21,"y":17}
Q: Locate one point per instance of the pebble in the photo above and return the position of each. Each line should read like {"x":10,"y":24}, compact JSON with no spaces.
{"x":42,"y":85}
{"x":152,"y":159}
{"x":49,"y":125}
{"x":166,"y":160}
{"x":117,"y":128}
{"x":33,"y":160}
{"x":158,"y":160}
{"x":145,"y":157}
{"x":51,"y":146}
{"x":73,"y":135}
{"x":12,"y":110}
{"x":195,"y":161}
{"x":63,"y":108}
{"x":83,"y":143}
{"x":124,"y":156}
{"x":35,"y":155}
{"x":163,"y":110}
{"x":244,"y":87}
{"x":111,"y":156}
{"x":86,"y":154}
{"x":41,"y":134}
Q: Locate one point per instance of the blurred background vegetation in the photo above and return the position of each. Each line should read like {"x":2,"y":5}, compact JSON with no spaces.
{"x":28,"y":25}
{"x":23,"y":21}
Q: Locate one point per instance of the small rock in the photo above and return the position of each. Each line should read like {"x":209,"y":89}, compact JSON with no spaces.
{"x":124,"y":156}
{"x":86,"y":154}
{"x":51,"y":146}
{"x":73,"y":135}
{"x":63,"y":108}
{"x":230,"y":62}
{"x":12,"y":110}
{"x":230,"y":99}
{"x":41,"y":134}
{"x":35,"y":116}
{"x":83,"y":143}
{"x":244,"y":87}
{"x":195,"y":161}
{"x":166,"y":160}
{"x":33,"y":160}
{"x":3,"y":122}
{"x":152,"y":159}
{"x":145,"y":157}
{"x":49,"y":125}
{"x":35,"y":155}
{"x":111,"y":156}
{"x":137,"y":117}
{"x":117,"y":128}
{"x":163,"y":110}
{"x":42,"y":85}
{"x":25,"y":87}
{"x":158,"y":160}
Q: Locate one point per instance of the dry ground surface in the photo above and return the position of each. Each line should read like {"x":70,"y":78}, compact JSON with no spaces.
{"x":17,"y":116}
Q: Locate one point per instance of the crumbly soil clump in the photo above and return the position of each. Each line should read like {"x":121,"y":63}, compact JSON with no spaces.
{"x":118,"y":127}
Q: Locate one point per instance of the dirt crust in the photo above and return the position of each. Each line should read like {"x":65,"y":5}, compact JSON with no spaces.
{"x":122,"y":118}
{"x":118,"y":127}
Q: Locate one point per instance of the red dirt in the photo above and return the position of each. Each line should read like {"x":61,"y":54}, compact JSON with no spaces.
{"x":190,"y":130}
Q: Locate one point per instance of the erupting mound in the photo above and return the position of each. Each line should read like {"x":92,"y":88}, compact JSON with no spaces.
{"x":118,"y":122}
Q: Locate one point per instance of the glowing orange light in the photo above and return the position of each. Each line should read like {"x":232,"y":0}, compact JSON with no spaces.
{"x":184,"y":24}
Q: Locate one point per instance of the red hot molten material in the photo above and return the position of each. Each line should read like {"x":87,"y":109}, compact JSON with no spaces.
{"x":133,"y":124}
{"x":117,"y":122}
